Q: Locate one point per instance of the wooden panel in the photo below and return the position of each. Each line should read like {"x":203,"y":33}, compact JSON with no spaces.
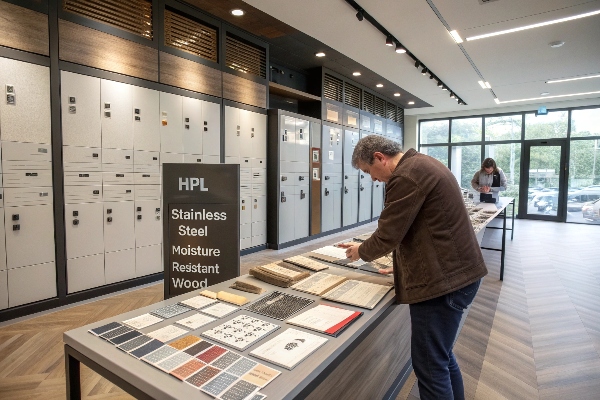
{"x":186,"y":74}
{"x":23,"y":29}
{"x":86,"y":46}
{"x":244,"y":91}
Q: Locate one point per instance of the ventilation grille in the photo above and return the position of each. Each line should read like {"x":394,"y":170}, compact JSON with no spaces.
{"x":332,"y":88}
{"x":369,"y":102}
{"x":245,"y":58}
{"x":351,"y":95}
{"x":379,"y":107}
{"x":391,"y":111}
{"x":134,"y":16}
{"x":190,"y":36}
{"x":400,"y":115}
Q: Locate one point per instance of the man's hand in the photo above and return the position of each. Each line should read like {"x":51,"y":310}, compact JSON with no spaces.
{"x":386,"y":271}
{"x":351,"y":250}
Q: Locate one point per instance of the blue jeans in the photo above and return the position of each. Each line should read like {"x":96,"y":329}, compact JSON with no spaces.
{"x":434,"y":327}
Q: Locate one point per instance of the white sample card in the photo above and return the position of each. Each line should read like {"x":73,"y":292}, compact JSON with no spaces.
{"x":198,"y":302}
{"x":278,"y":269}
{"x":357,"y":293}
{"x":319,"y":283}
{"x":307,"y":263}
{"x":289,"y":348}
{"x":167,"y":333}
{"x":240,"y":332}
{"x":143,"y":321}
{"x":325,"y":319}
{"x":219,"y":310}
{"x":195,"y":321}
{"x":331,"y":251}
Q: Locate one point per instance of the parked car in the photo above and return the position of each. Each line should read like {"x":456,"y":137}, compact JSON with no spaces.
{"x":547,"y":202}
{"x":577,"y":199}
{"x":591,"y":210}
{"x":542,"y":193}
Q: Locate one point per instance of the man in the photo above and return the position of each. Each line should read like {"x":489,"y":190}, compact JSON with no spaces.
{"x":437,"y":261}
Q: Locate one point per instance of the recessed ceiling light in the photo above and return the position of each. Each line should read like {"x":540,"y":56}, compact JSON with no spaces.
{"x":487,"y":85}
{"x":397,"y":94}
{"x":522,"y":28}
{"x":456,"y":36}
{"x":556,"y":44}
{"x":546,"y":97}
{"x":379,"y":85}
{"x":320,"y":54}
{"x":411,"y":102}
{"x":237,"y":12}
{"x":544,"y":93}
{"x":482,"y":84}
{"x":573,"y":79}
{"x":356,"y":73}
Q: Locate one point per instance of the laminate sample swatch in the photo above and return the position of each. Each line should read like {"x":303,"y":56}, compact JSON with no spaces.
{"x":167,"y":333}
{"x":124,"y":338}
{"x":307,"y":263}
{"x":185,"y":342}
{"x":174,"y":361}
{"x":240,"y":332}
{"x":358,"y":293}
{"x":279,"y":305}
{"x":202,"y":376}
{"x":198,"y":348}
{"x":195,"y":321}
{"x":142,"y":321}
{"x":105,"y":328}
{"x":241,"y":366}
{"x":170,"y":311}
{"x":147,"y":348}
{"x":226,"y":360}
{"x":134,"y":343}
{"x":198,"y":302}
{"x":186,"y":370}
{"x":289,"y":348}
{"x":219,"y":310}
{"x":319,"y":283}
{"x":240,"y":390}
{"x":159,"y":354}
{"x":211,"y":354}
{"x":116,"y":332}
{"x":218,"y":384}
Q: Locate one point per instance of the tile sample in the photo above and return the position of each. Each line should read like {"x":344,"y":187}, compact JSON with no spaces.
{"x":184,"y":342}
{"x":105,"y":328}
{"x":219,"y":310}
{"x":198,"y":302}
{"x":202,"y":376}
{"x":142,"y":321}
{"x":134,"y":343}
{"x":195,"y":321}
{"x":226,"y":360}
{"x":147,"y":348}
{"x":186,"y":370}
{"x":211,"y":354}
{"x":218,"y":384}
{"x":240,"y":332}
{"x":167,"y":333}
{"x":170,"y":311}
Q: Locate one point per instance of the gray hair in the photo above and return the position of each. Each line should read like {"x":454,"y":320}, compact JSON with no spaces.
{"x":367,"y":146}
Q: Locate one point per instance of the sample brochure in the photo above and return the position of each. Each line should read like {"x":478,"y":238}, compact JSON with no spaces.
{"x":198,"y":302}
{"x":336,"y":255}
{"x":167,"y":333}
{"x":357,"y":293}
{"x":331,"y":251}
{"x":319,"y":283}
{"x":307,"y":263}
{"x":219,"y":310}
{"x":143,"y":321}
{"x":241,"y":332}
{"x":279,"y":305}
{"x":289,"y":348}
{"x":325,"y":319}
{"x":195,"y":321}
{"x":279,"y":270}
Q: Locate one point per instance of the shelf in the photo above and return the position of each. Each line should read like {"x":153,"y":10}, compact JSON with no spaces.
{"x":285,"y":91}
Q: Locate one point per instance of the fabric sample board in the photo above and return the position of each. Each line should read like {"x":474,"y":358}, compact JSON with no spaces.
{"x":105,"y":328}
{"x":170,"y":311}
{"x":134,"y":343}
{"x":124,"y":338}
{"x":279,"y":305}
{"x":218,"y":384}
{"x":306,"y":262}
{"x":146,"y":348}
{"x":142,"y":321}
{"x":198,"y":348}
{"x":211,"y":354}
{"x":202,"y":376}
{"x":289,"y":348}
{"x":319,"y":283}
{"x":240,"y":332}
{"x":226,"y":360}
{"x":241,"y":366}
{"x":159,"y":354}
{"x":115,"y":332}
{"x":195,"y":321}
{"x":186,"y":370}
{"x":185,"y":342}
{"x":219,"y":310}
{"x":240,"y":390}
{"x":174,"y":361}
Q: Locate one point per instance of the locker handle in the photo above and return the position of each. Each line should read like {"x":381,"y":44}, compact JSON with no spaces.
{"x":31,"y":174}
{"x":155,"y":158}
{"x":362,"y":188}
{"x":109,"y":211}
{"x":145,"y":175}
{"x":284,"y":178}
{"x":75,"y":222}
{"x":158,"y":210}
{"x":302,"y":194}
{"x":326,"y":177}
{"x":109,"y":219}
{"x":128,"y":157}
{"x":120,"y":175}
{"x":96,"y":192}
{"x":326,"y":192}
{"x":139,"y":209}
{"x":283,"y":197}
{"x":256,"y":201}
{"x":84,"y":175}
{"x":301,"y":178}
{"x":205,"y":129}
{"x":345,"y":176}
{"x":75,"y":213}
{"x":362,"y":176}
{"x":95,"y":155}
{"x":139,"y":217}
{"x":345,"y":190}
{"x":128,"y":191}
{"x":15,"y":217}
{"x":16,"y":227}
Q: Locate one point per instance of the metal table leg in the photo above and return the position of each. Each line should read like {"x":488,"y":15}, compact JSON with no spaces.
{"x":73,"y":376}
{"x":503,"y":245}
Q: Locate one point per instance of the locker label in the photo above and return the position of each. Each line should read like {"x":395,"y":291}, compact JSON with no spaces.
{"x":84,"y":175}
{"x":120,"y":175}
{"x":331,"y":154}
{"x":136,"y":111}
{"x":10,"y":99}
{"x":10,"y":88}
{"x":31,"y":174}
{"x":42,"y":150}
{"x":72,"y":109}
{"x":71,"y":100}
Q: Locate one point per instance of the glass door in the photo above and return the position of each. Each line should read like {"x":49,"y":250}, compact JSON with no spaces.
{"x":544,"y":172}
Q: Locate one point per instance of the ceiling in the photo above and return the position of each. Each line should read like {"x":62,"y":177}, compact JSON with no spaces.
{"x":517,"y":65}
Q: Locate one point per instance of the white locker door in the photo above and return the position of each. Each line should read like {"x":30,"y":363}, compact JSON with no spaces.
{"x":119,"y":266}
{"x":2,"y":241}
{"x":287,"y":196}
{"x":245,"y":210}
{"x":119,"y":230}
{"x":259,"y":208}
{"x":354,"y":205}
{"x":337,"y":207}
{"x":171,"y":135}
{"x":85,"y":273}
{"x":259,"y":140}
{"x":327,"y":199}
{"x":84,"y":228}
{"x":27,"y":117}
{"x":211,"y":128}
{"x":117,"y":115}
{"x":365,"y":193}
{"x":148,"y":223}
{"x":287,"y":139}
{"x":192,"y":125}
{"x":33,"y":283}
{"x":3,"y":290}
{"x":80,"y":110}
{"x":245,"y":236}
{"x":259,"y":233}
{"x":146,"y":119}
{"x":247,"y":131}
{"x":332,"y":145}
{"x":148,"y":260}
{"x":232,"y":131}
{"x":302,"y":142}
{"x":29,"y":235}
{"x":301,"y":214}
{"x":377,"y":198}
{"x":347,"y":217}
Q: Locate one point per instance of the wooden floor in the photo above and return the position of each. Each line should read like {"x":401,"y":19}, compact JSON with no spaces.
{"x":535,"y":335}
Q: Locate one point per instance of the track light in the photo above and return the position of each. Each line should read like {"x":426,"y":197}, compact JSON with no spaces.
{"x":417,"y":64}
{"x":440,"y":84}
{"x":389,"y":41}
{"x":444,"y":87}
{"x":452,"y":95}
{"x":424,"y":71}
{"x":430,"y":75}
{"x":359,"y":15}
{"x":400,"y":49}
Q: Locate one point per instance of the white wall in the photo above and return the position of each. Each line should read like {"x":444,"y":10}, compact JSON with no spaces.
{"x":411,"y":129}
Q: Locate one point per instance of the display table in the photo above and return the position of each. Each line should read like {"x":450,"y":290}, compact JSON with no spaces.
{"x":370,"y":359}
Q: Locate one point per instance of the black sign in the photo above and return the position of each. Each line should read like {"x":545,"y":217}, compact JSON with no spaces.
{"x":201,"y":229}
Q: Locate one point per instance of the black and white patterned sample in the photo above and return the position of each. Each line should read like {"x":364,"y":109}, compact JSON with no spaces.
{"x":124,"y":338}
{"x":159,"y":355}
{"x":240,"y":332}
{"x":258,"y":396}
{"x":198,"y":348}
{"x":115,"y":332}
{"x":239,"y":391}
{"x":134,"y":343}
{"x":202,"y":376}
{"x":240,"y":367}
{"x":219,"y":383}
{"x":170,"y":311}
{"x":174,"y":361}
{"x":226,"y":360}
{"x":279,"y":305}
{"x":147,"y":348}
{"x":105,"y":328}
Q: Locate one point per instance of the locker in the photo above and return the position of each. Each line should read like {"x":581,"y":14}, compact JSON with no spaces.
{"x":85,"y":273}
{"x":83,"y":224}
{"x":259,"y":208}
{"x":259,"y":139}
{"x":117,"y":160}
{"x":116,"y":102}
{"x":171,"y":158}
{"x":29,"y":235}
{"x":119,"y":266}
{"x":259,"y":175}
{"x":301,"y":212}
{"x":1,"y":194}
{"x":193,"y":159}
{"x":378,"y":125}
{"x":146,"y":178}
{"x":259,"y":189}
{"x":366,"y":121}
{"x":84,"y":177}
{"x":22,"y":176}
{"x":259,"y":240}
{"x":246,"y":176}
{"x":28,"y":118}
{"x":148,"y":260}
{"x":350,"y":204}
{"x":83,"y":194}
{"x":258,"y":163}
{"x":259,"y":233}
{"x":34,"y":153}
{"x":171,"y":129}
{"x":33,"y":283}
{"x":232,"y":131}
{"x":287,"y":138}
{"x":80,"y":110}
{"x":211,"y":129}
{"x":245,"y":210}
{"x":332,"y":145}
{"x":302,"y":142}
{"x":232,"y":160}
{"x":16,"y":197}
{"x":331,"y":212}
{"x":245,"y":236}
{"x":146,"y":161}
{"x":148,"y":223}
{"x":119,"y":228}
{"x":248,"y":125}
{"x":117,"y":178}
{"x":192,"y":125}
{"x":147,"y":192}
{"x":350,"y":140}
{"x":365,"y":193}
{"x":3,"y":290}
{"x":82,"y":158}
{"x":146,"y":119}
{"x":211,"y":159}
{"x":2,"y":244}
{"x":378,"y":193}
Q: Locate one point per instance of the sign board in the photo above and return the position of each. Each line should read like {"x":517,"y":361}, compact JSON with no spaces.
{"x":201,"y":227}
{"x":542,"y":110}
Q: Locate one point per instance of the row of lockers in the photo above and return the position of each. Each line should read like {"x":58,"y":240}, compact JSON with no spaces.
{"x":354,"y":118}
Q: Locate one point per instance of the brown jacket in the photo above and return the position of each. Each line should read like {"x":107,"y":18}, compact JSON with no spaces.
{"x":426,"y":223}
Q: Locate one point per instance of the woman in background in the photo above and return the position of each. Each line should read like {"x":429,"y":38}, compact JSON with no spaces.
{"x":489,"y":180}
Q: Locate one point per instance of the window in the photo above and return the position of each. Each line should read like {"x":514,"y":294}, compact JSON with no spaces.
{"x":508,"y":158}
{"x":466,"y":130}
{"x":503,"y":128}
{"x":551,"y":126}
{"x":465,"y":161}
{"x":438,"y":152}
{"x":434,"y":131}
{"x":585,"y":122}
